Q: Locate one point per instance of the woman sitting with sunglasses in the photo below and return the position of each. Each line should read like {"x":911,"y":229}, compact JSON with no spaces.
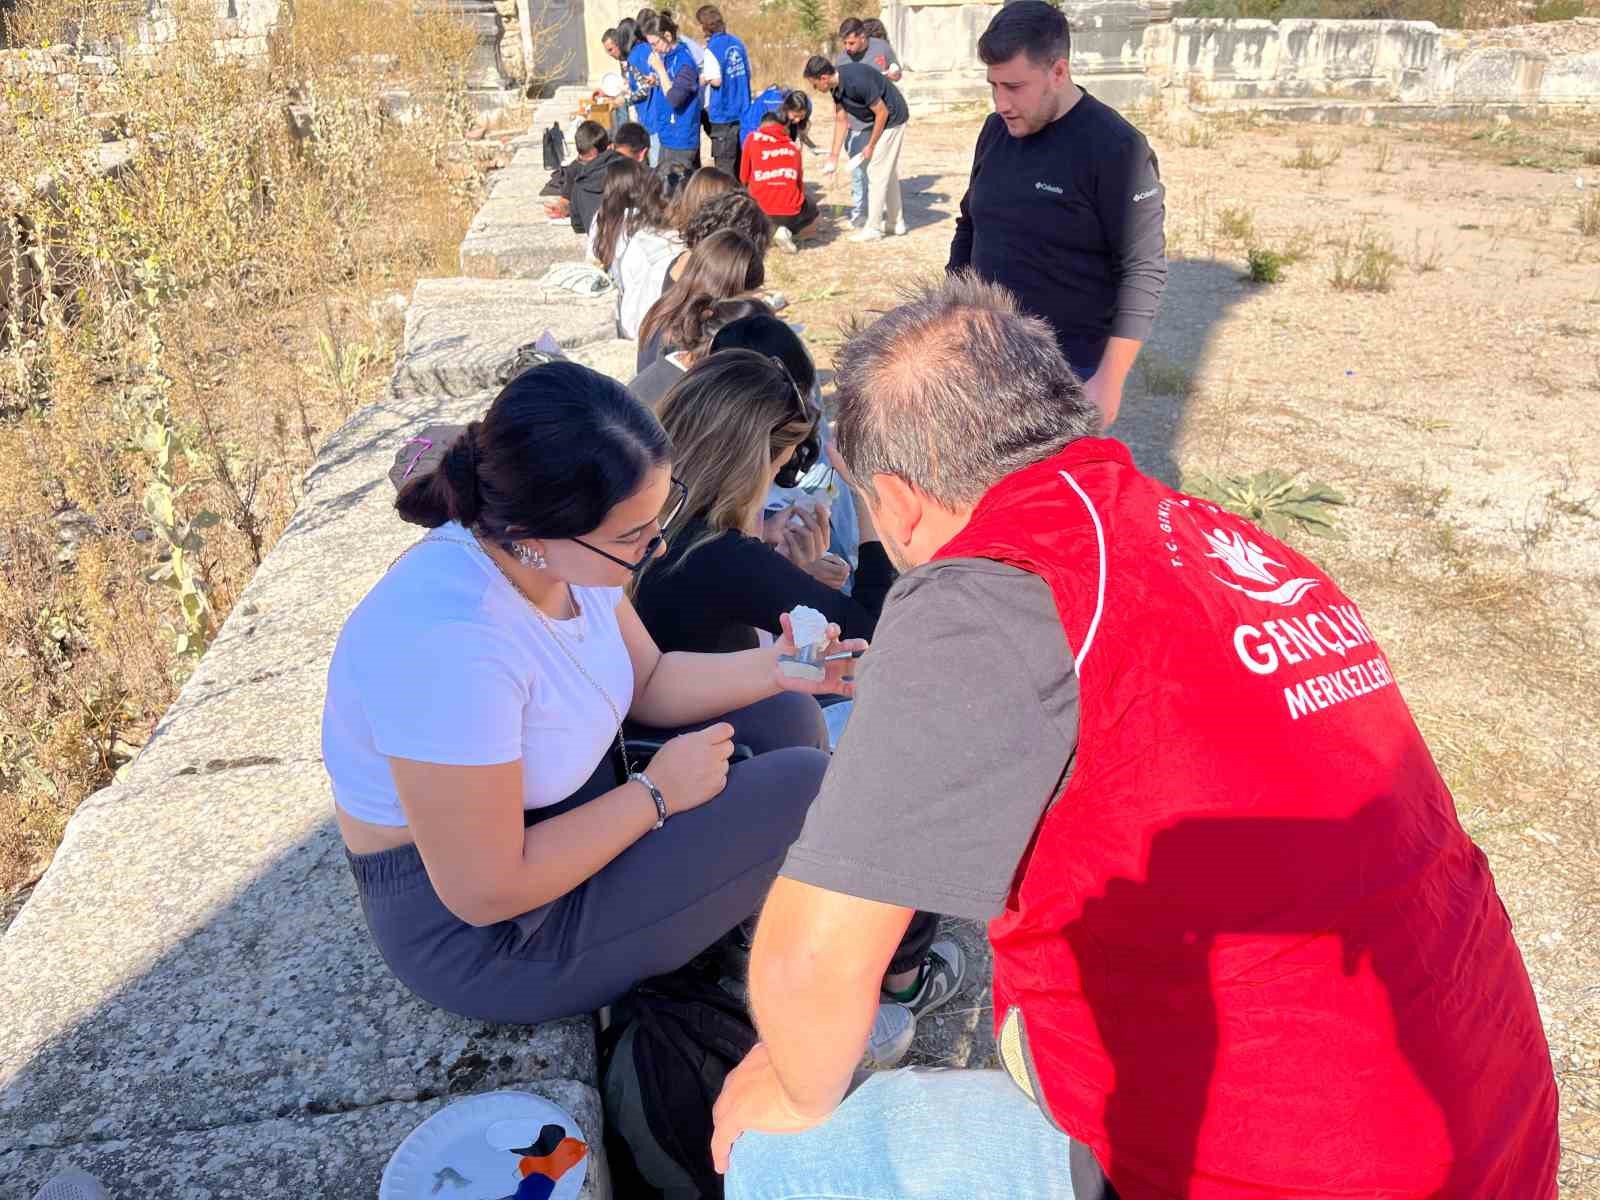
{"x":736,"y":420}
{"x":513,"y":863}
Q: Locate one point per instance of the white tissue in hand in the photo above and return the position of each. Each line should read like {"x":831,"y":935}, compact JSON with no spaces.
{"x":810,"y":627}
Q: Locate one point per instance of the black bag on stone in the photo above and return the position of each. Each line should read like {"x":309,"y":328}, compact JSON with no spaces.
{"x":555,"y":147}
{"x":671,"y":1042}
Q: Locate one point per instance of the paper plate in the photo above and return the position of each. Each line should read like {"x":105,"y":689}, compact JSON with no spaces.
{"x":611,"y":84}
{"x":494,"y":1146}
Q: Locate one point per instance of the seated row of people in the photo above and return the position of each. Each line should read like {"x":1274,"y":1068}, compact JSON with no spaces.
{"x":644,"y":237}
{"x":590,"y":565}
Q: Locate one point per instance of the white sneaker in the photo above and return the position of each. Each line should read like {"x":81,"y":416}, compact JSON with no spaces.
{"x":784,"y":240}
{"x":900,"y":227}
{"x":867,"y":235}
{"x":893,"y":1030}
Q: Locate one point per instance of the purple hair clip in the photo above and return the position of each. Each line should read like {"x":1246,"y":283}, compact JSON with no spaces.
{"x":427,"y":444}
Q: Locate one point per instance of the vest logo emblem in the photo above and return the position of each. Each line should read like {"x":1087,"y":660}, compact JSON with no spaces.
{"x":1249,"y":562}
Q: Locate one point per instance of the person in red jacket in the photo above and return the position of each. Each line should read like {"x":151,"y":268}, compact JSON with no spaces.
{"x":1242,"y":945}
{"x":769,"y":165}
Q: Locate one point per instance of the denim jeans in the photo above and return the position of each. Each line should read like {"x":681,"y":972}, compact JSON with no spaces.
{"x":854,"y":141}
{"x":913,"y":1135}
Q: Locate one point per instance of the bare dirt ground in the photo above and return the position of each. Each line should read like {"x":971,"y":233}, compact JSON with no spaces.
{"x":1457,"y":411}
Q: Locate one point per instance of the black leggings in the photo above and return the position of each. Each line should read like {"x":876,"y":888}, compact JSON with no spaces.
{"x":650,"y":910}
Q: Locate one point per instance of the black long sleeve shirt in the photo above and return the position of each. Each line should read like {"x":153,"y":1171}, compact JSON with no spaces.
{"x":1071,"y":220}
{"x":724,"y":590}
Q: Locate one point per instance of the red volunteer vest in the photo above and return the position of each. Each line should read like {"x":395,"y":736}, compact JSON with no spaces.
{"x":1250,"y":951}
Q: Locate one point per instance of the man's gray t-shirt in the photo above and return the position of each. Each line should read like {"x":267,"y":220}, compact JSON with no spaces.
{"x":877,"y":54}
{"x":965,"y":723}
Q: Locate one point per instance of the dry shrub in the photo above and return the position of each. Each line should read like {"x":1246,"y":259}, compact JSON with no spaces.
{"x":161,"y":387}
{"x":776,"y":36}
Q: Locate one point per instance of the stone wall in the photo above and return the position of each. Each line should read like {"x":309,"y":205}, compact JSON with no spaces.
{"x":1125,"y":51}
{"x":1406,"y":62}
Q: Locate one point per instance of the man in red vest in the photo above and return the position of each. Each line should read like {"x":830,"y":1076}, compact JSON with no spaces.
{"x":1242,"y":946}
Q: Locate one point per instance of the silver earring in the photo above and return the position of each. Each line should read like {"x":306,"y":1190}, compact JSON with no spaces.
{"x":529,"y":557}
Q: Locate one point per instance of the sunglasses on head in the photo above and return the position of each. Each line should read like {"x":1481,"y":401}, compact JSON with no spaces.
{"x":807,"y":452}
{"x":677,"y":497}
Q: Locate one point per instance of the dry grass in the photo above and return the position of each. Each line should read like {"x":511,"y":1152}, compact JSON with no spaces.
{"x":777,"y":39}
{"x":159,"y":344}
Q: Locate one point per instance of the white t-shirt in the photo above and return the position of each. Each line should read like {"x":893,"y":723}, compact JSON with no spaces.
{"x":445,"y":662}
{"x":708,"y":66}
{"x":640,"y":273}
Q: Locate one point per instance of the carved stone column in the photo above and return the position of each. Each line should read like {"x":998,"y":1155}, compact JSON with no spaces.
{"x":485,"y":73}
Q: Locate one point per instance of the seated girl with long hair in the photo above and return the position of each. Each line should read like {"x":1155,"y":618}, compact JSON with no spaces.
{"x":708,"y":318}
{"x":726,"y":266}
{"x":513,"y":863}
{"x":633,"y":240}
{"x":736,"y":419}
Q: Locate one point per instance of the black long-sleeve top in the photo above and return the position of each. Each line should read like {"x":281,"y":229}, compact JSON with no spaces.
{"x":718,"y":596}
{"x":1070,"y":219}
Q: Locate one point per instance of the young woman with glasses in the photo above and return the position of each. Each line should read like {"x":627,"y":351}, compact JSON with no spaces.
{"x":736,"y":419}
{"x":515,"y":861}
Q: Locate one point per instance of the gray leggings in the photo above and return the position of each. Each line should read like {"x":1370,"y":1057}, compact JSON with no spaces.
{"x":650,"y":910}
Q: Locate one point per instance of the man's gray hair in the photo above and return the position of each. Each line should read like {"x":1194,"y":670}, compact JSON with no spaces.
{"x":954,"y":390}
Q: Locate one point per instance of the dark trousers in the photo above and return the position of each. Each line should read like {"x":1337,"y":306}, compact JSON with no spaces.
{"x":650,"y":910}
{"x":682,"y":158}
{"x":663,"y":900}
{"x":806,"y":216}
{"x":725,"y":146}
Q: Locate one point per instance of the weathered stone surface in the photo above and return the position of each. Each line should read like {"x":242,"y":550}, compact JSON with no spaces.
{"x":196,"y":956}
{"x":1497,"y":74}
{"x":1409,"y":63}
{"x":1571,"y":79}
{"x":513,"y":239}
{"x":461,"y":333}
{"x":616,"y":357}
{"x":339,"y":1156}
{"x":937,"y":38}
{"x":524,"y":177}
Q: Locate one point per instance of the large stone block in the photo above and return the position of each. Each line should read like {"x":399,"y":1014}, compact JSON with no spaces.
{"x":461,"y":333}
{"x":937,"y":38}
{"x":1497,"y":74}
{"x":513,"y":239}
{"x":1571,"y":79}
{"x":338,"y":1156}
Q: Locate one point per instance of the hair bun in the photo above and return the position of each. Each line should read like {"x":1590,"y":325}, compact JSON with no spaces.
{"x":460,"y":468}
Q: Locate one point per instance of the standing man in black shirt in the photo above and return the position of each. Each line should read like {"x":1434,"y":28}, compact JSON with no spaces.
{"x":1065,"y":207}
{"x":865,"y":93}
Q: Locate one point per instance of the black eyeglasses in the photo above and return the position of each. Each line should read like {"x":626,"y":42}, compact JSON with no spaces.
{"x":677,"y":497}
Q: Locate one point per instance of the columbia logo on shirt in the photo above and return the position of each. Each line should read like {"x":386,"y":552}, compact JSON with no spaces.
{"x":1138,"y":196}
{"x":1052,"y":188}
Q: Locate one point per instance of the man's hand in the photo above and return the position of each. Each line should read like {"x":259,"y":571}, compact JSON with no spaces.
{"x":1105,"y":394}
{"x":753,"y":1098}
{"x":866,"y":154}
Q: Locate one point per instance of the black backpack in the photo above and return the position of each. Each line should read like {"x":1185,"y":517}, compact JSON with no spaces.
{"x":671,"y":1042}
{"x":555,"y":147}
